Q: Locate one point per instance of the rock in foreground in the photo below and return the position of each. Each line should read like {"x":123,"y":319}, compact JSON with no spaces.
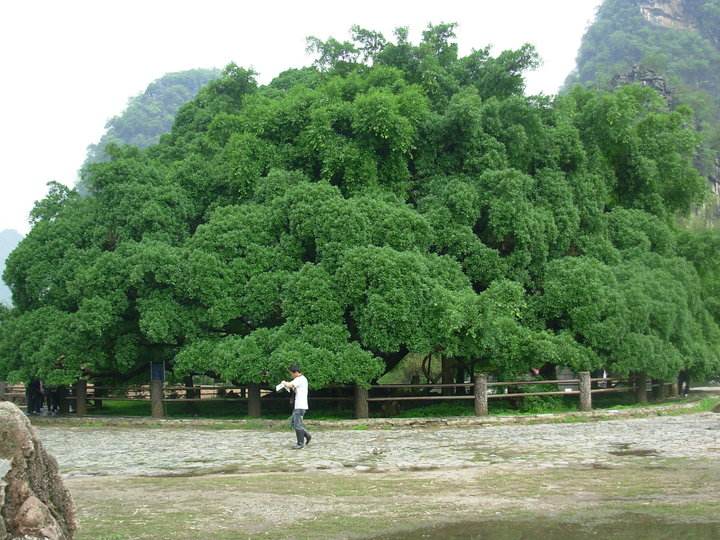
{"x":34,"y":503}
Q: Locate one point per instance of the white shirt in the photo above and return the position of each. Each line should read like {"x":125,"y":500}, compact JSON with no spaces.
{"x":301,"y":392}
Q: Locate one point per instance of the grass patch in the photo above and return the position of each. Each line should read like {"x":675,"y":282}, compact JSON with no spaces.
{"x":434,"y":410}
{"x":329,"y":505}
{"x":223,"y":410}
{"x":707,"y":404}
{"x":231,"y":410}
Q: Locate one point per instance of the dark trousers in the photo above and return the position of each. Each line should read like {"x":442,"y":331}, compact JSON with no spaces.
{"x":35,"y":401}
{"x":296,"y":422}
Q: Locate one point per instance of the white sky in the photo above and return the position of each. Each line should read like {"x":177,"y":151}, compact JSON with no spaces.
{"x":68,"y":66}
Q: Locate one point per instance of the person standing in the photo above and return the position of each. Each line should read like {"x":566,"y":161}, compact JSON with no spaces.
{"x":34,"y":395}
{"x":299,"y":385}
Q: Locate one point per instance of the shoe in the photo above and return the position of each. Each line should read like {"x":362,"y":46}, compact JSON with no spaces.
{"x":308,"y":438}
{"x":298,"y":447}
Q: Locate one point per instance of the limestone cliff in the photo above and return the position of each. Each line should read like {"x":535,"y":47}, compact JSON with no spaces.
{"x":667,"y":13}
{"x":645,"y":76}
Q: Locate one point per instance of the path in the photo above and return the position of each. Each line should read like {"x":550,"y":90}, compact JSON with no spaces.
{"x":136,"y":451}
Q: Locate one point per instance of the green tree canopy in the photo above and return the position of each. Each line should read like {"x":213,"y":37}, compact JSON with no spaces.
{"x":394,"y":198}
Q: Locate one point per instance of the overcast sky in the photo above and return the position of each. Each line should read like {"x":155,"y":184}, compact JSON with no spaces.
{"x":68,"y":66}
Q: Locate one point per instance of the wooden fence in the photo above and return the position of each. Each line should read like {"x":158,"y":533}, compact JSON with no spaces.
{"x":481,"y":391}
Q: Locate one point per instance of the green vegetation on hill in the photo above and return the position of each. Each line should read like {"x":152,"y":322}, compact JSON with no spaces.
{"x":152,"y":113}
{"x":393,"y":198}
{"x":678,"y":39}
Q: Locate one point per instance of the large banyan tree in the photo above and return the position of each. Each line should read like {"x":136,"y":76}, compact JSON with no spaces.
{"x":392,"y":198}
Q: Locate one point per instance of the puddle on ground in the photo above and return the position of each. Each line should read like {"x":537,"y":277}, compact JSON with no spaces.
{"x":625,"y":527}
{"x":625,"y":449}
{"x":637,"y":452}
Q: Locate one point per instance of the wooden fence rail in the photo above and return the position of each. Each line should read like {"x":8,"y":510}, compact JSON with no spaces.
{"x":480,"y":390}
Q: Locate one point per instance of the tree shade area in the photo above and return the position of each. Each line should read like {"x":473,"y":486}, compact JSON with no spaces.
{"x":394,"y":197}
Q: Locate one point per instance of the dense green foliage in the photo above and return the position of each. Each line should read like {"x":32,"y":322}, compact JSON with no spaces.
{"x":687,"y":55}
{"x":393,"y":198}
{"x":152,"y":113}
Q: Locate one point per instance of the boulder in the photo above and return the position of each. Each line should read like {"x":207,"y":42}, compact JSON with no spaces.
{"x":34,"y":503}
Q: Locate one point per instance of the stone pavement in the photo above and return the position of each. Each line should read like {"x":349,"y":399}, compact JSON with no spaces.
{"x":193,"y":451}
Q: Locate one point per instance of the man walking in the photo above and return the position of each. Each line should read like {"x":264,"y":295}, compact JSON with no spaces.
{"x":299,"y":385}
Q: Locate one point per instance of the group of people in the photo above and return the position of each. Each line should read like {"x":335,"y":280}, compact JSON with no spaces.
{"x":37,"y":395}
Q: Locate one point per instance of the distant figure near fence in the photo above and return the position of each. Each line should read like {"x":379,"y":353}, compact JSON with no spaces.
{"x":35,"y":396}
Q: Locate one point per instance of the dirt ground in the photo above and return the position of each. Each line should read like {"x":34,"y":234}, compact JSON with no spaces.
{"x":640,"y":478}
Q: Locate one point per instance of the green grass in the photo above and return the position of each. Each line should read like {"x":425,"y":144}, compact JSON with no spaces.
{"x":223,"y":410}
{"x":332,"y":505}
{"x":233,"y":410}
{"x":707,"y":404}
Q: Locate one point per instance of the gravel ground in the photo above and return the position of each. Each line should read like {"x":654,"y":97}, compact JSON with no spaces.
{"x":167,"y":452}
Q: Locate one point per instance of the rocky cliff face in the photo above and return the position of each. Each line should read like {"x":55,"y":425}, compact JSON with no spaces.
{"x":667,"y":13}
{"x":714,"y":178}
{"x":645,"y":76}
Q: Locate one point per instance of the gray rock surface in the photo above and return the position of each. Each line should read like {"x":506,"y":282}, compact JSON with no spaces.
{"x":34,"y":503}
{"x":645,"y":76}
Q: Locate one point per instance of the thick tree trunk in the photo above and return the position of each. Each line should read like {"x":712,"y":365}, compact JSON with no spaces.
{"x":99,"y":393}
{"x":641,"y":387}
{"x":254,"y":408}
{"x":481,"y":394}
{"x":460,"y":379}
{"x":191,"y":393}
{"x":361,"y":402}
{"x":80,"y":398}
{"x":659,"y":390}
{"x":447,"y":374}
{"x":64,"y":401}
{"x":585,"y":391}
{"x":156,"y":399}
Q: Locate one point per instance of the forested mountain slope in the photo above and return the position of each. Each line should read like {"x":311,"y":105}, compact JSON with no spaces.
{"x":394,"y":197}
{"x":678,"y":40}
{"x":152,"y":113}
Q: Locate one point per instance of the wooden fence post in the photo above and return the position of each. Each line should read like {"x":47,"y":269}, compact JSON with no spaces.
{"x":674,"y":389}
{"x":254,"y":410}
{"x":81,"y":397}
{"x":361,"y":402}
{"x":585,"y":391}
{"x":481,"y":394}
{"x":3,"y":390}
{"x":641,"y":387}
{"x":156,"y":397}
